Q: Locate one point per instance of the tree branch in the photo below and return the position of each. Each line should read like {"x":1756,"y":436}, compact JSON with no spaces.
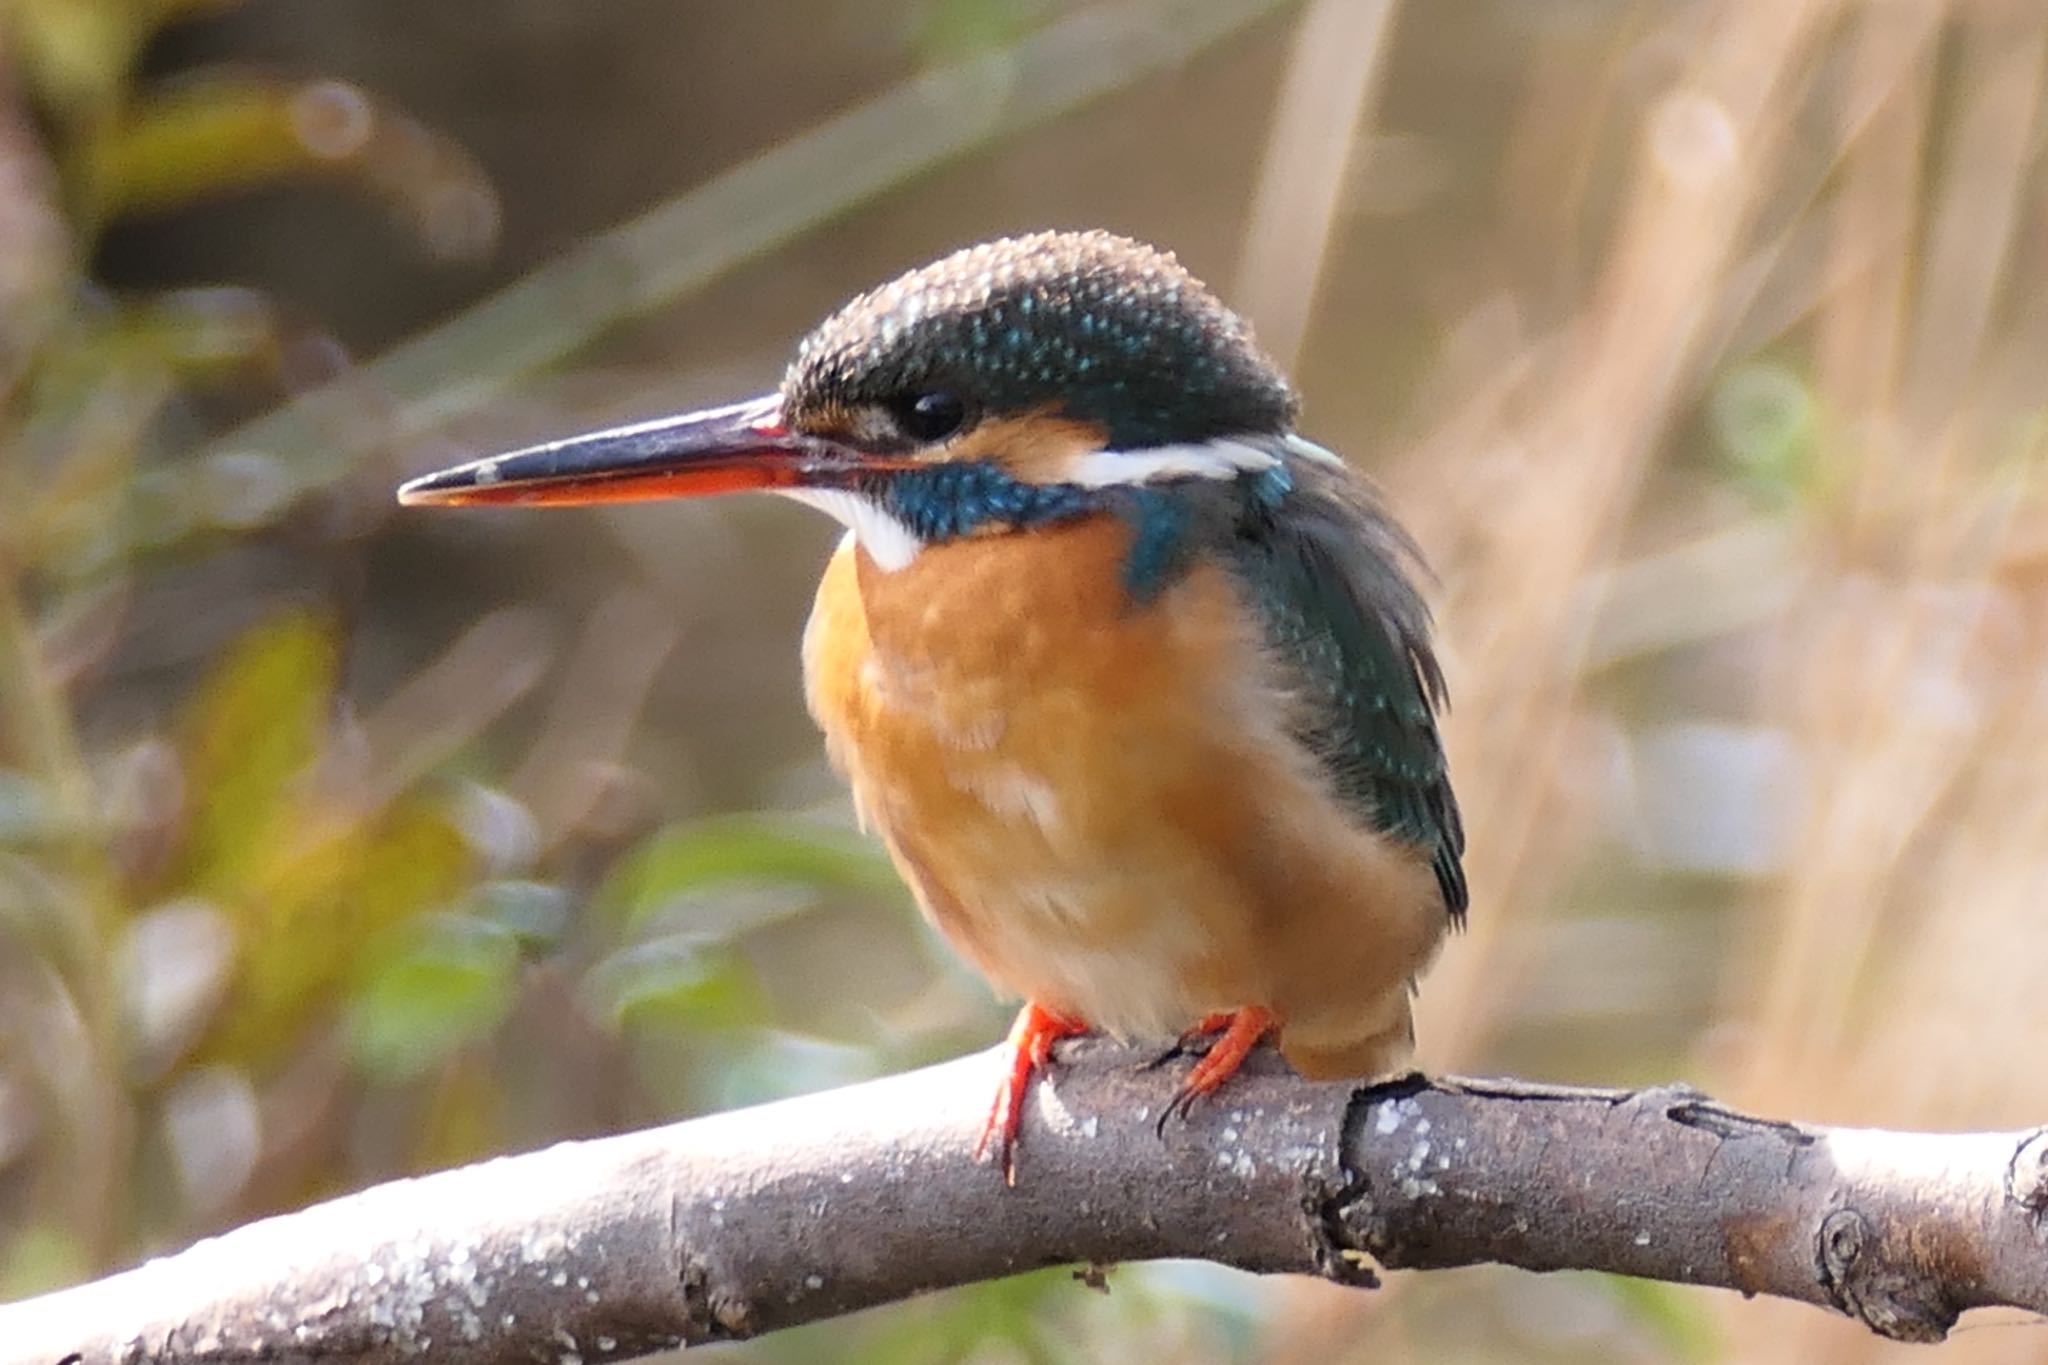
{"x":751,"y":1221}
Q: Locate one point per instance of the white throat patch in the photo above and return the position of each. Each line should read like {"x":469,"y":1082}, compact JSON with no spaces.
{"x":890,"y":543}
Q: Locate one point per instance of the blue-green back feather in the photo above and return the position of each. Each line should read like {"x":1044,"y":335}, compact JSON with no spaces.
{"x":1329,"y":573}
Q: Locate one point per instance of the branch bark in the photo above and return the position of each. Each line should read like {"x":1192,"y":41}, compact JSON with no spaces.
{"x":750,"y":1221}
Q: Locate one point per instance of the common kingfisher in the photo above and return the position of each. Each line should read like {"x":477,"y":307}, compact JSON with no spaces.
{"x":1132,"y":679}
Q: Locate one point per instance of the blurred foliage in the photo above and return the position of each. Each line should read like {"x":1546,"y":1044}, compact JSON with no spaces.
{"x":1699,"y":344}
{"x":448,"y":986}
{"x":964,"y":28}
{"x":221,"y":893}
{"x":1763,"y":417}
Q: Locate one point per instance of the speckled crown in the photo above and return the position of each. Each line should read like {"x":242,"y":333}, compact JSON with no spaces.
{"x":1106,"y":329}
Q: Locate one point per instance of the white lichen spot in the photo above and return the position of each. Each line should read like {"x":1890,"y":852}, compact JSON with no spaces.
{"x":814,"y":1281}
{"x":607,"y":1343}
{"x":559,"y":1279}
{"x":1230,"y":1134}
{"x":536,"y":1248}
{"x":1642,"y":1239}
{"x":1090,"y":1126}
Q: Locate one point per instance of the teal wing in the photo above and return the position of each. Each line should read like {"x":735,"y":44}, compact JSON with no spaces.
{"x":1330,"y":574}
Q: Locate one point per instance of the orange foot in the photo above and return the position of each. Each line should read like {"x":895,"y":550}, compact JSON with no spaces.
{"x":1235,"y":1034}
{"x":1030,"y":1043}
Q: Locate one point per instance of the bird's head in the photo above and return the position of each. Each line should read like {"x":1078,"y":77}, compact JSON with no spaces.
{"x":1007,"y":385}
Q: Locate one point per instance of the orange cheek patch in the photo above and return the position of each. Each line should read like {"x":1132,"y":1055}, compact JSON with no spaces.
{"x":1038,"y":447}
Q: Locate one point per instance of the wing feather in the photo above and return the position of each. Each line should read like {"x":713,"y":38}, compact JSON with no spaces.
{"x":1332,"y":577}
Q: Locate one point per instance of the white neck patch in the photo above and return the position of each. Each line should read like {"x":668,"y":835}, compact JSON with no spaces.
{"x":890,"y":543}
{"x":1309,"y":450}
{"x":1222,"y":458}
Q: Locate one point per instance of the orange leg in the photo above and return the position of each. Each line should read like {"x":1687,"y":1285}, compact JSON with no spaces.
{"x":1236,"y":1033}
{"x":1030,"y":1044}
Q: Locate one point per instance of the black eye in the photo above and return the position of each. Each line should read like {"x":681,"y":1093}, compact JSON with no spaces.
{"x":929,"y":416}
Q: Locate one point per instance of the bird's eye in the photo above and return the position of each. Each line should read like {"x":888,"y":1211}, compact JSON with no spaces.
{"x":930,"y":416}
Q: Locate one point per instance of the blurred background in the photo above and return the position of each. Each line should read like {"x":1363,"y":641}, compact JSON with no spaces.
{"x":1702,"y":345}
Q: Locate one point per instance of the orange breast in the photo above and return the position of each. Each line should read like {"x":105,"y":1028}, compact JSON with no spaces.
{"x":1102,"y":804}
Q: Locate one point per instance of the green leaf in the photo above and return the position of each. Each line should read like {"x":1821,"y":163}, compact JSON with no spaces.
{"x":772,"y":1064}
{"x":1762,"y":416}
{"x":40,"y":1259}
{"x":1005,"y":1319}
{"x":256,"y":724}
{"x":536,"y":914}
{"x":955,"y":29}
{"x":314,"y":913}
{"x":26,"y":814}
{"x":676,"y":984}
{"x":685,"y":860}
{"x":1679,"y":1316}
{"x":78,"y":54}
{"x":224,"y":134}
{"x":451,"y":986}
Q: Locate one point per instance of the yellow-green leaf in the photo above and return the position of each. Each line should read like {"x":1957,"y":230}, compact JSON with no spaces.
{"x":256,"y":724}
{"x":308,"y":926}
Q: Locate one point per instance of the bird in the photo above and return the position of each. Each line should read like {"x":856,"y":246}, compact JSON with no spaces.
{"x":1134,"y":681}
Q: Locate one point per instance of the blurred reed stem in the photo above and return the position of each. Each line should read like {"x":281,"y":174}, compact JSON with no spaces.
{"x":88,"y":1194}
{"x":1325,"y":100}
{"x":937,"y":116}
{"x":1569,"y":437}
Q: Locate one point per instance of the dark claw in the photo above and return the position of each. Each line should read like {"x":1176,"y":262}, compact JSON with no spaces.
{"x":1193,"y":1043}
{"x":1182,"y":1103}
{"x":1179,"y":1049}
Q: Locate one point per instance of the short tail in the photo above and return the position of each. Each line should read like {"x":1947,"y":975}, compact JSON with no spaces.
{"x":1384,"y":1051}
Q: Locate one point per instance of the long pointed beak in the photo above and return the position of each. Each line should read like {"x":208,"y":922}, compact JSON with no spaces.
{"x":721,"y":450}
